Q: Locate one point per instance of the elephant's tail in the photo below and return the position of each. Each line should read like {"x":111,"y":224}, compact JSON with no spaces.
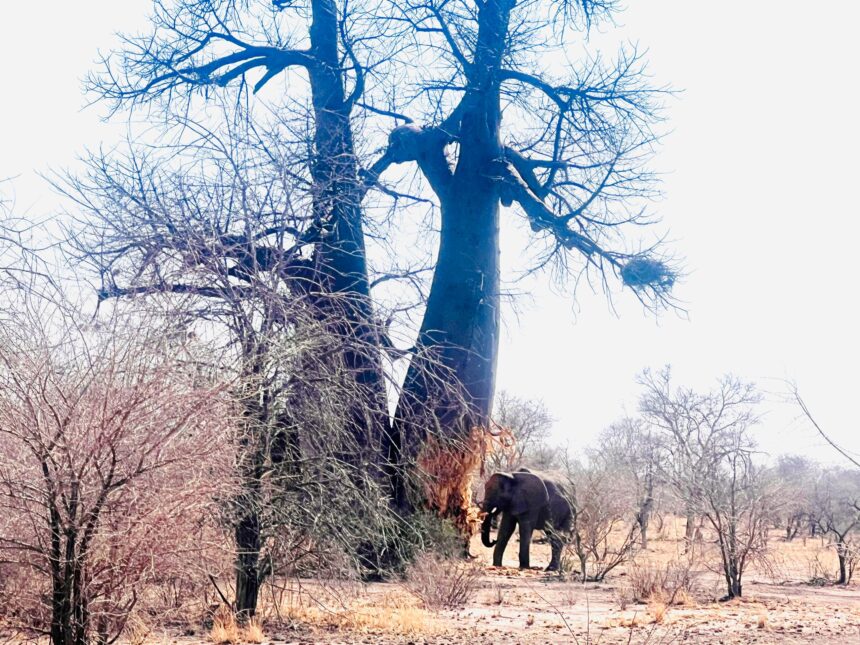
{"x":485,"y":531}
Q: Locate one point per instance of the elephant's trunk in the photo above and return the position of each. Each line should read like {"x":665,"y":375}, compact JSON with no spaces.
{"x":485,"y":530}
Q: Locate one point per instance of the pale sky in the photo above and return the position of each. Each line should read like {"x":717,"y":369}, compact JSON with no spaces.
{"x":759,"y":176}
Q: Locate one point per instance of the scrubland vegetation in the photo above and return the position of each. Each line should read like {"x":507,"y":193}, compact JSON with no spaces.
{"x":124,"y":483}
{"x":247,"y":378}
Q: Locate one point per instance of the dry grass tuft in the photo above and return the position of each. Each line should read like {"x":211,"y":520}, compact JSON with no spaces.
{"x":136,"y":631}
{"x":625,"y":621}
{"x":684,"y":598}
{"x":224,"y":628}
{"x":658,"y":611}
{"x":253,"y":632}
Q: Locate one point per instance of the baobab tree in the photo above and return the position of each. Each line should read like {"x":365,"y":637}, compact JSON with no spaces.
{"x":211,"y":234}
{"x":436,"y":76}
{"x":568,"y":157}
{"x":196,"y":46}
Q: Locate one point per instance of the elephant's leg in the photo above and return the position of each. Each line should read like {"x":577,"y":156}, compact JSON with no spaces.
{"x":556,"y":544}
{"x":526,"y":529}
{"x":506,"y":530}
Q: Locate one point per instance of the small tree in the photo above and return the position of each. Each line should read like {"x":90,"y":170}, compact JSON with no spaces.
{"x":705,"y":453}
{"x":836,"y":503}
{"x":105,"y":446}
{"x":605,"y":533}
{"x":524,"y":426}
{"x":798,"y":477}
{"x":693,"y":430}
{"x":739,"y":501}
{"x":629,"y":449}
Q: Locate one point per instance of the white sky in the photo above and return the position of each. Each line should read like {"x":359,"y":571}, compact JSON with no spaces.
{"x":761,"y":168}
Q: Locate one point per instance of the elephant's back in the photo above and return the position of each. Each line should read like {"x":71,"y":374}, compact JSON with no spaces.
{"x":560,"y":498}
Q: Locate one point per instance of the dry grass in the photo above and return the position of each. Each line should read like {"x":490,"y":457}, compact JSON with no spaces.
{"x":675,"y":602}
{"x":658,"y":611}
{"x":394,"y":612}
{"x":137,"y":631}
{"x":253,"y":632}
{"x":406,"y":621}
{"x":226,"y":630}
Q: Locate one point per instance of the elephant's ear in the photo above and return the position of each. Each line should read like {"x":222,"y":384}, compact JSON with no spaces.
{"x":529,"y":493}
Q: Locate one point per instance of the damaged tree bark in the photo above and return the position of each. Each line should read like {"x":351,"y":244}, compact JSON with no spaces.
{"x":448,"y":390}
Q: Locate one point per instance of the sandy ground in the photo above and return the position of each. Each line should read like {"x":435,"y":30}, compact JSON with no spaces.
{"x":531,"y":607}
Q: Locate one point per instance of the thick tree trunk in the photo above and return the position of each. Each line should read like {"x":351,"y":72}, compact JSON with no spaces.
{"x":340,"y":259}
{"x":735,"y":589}
{"x":340,"y":292}
{"x":249,"y":501}
{"x":448,"y":390}
{"x":57,"y":595}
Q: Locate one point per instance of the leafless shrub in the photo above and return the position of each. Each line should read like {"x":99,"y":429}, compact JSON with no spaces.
{"x":109,"y":457}
{"x":442,"y":583}
{"x":674,"y":582}
{"x":629,"y":448}
{"x":605,"y":533}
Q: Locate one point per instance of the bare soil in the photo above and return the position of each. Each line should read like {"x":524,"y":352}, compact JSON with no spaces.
{"x":780,"y":605}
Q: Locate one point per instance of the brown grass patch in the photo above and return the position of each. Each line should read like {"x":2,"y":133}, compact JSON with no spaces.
{"x":658,"y":611}
{"x":136,"y":631}
{"x":253,"y":632}
{"x":224,"y":628}
{"x":406,"y":621}
{"x":672,"y":583}
{"x":393,"y":612}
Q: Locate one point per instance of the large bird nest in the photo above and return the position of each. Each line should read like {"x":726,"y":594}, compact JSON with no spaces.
{"x":641,"y":272}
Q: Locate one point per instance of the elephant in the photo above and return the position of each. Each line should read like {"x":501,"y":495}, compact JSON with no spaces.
{"x":531,"y":500}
